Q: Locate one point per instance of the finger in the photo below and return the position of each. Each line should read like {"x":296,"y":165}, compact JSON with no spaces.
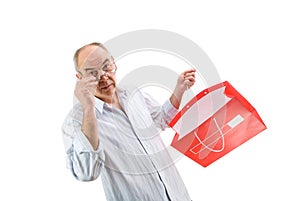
{"x":187,"y":85}
{"x":190,"y":77}
{"x":190,"y":74}
{"x":91,"y":84}
{"x":190,"y":80}
{"x":89,"y":79}
{"x":189,"y":71}
{"x":86,"y":84}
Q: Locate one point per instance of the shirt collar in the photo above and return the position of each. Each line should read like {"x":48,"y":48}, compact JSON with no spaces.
{"x":100,"y":104}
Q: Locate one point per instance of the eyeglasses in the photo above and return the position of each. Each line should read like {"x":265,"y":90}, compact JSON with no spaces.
{"x":109,"y":67}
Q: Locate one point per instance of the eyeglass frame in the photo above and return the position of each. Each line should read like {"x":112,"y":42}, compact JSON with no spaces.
{"x":109,"y":62}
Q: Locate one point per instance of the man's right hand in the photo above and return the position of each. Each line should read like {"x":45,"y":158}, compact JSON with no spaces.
{"x":84,"y":91}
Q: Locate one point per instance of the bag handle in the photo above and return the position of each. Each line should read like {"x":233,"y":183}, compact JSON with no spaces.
{"x":218,"y":129}
{"x":207,"y":146}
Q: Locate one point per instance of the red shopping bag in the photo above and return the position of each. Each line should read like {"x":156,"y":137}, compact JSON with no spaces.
{"x":213,"y":123}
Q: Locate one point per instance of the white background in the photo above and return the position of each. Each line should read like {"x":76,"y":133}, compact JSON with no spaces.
{"x":253,"y":44}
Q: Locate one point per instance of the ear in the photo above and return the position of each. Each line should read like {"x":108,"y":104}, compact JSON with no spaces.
{"x":79,"y":76}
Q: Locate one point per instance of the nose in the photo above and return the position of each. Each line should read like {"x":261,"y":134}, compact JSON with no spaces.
{"x":103,"y":76}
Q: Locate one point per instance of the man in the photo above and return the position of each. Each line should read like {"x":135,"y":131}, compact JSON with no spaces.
{"x":114,"y":132}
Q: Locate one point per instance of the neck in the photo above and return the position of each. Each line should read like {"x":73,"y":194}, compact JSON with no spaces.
{"x":113,"y":101}
{"x":110,"y":99}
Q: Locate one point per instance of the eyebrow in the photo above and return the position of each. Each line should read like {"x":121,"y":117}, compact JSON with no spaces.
{"x":93,"y":68}
{"x":90,"y":68}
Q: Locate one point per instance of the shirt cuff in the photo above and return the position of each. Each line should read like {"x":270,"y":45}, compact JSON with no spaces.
{"x":169,"y":110}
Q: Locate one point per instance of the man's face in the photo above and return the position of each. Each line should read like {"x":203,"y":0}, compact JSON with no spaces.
{"x":97,"y":62}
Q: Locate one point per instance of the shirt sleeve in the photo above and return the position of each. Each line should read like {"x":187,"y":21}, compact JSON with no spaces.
{"x":84,"y":162}
{"x":162,"y":115}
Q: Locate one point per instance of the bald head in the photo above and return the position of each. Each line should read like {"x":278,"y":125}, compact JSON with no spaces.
{"x":88,"y":54}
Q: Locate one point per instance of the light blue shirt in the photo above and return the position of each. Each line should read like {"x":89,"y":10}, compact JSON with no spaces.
{"x":131,"y":158}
